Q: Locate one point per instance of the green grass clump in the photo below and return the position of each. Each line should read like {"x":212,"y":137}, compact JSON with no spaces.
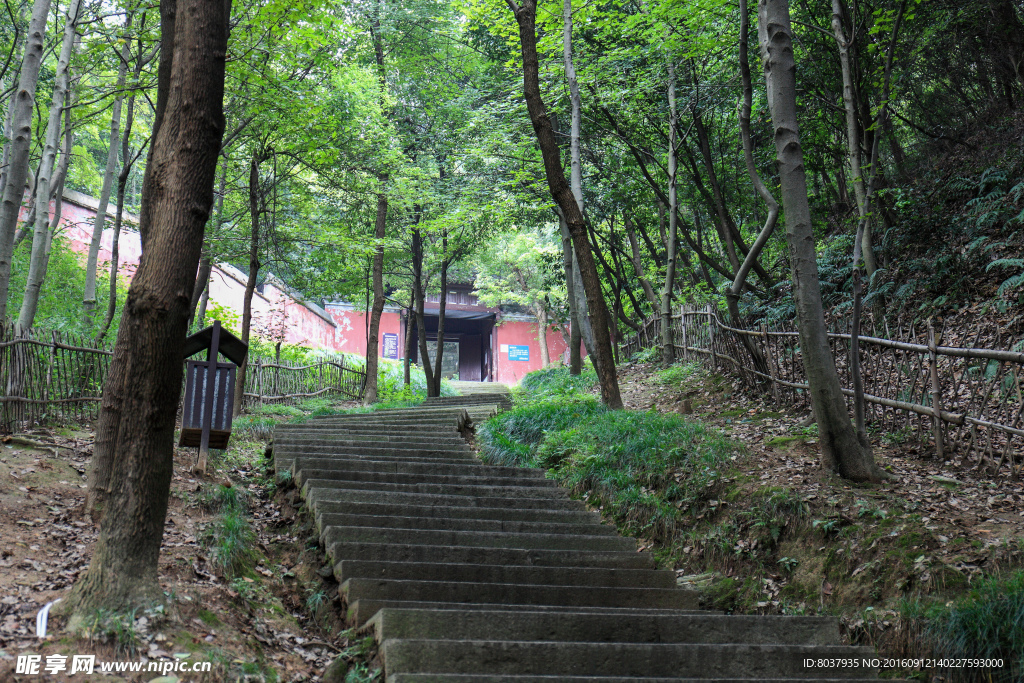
{"x":231,"y":538}
{"x":511,"y":438}
{"x":646,"y":469}
{"x":557,"y":381}
{"x":988,"y":623}
{"x":674,"y":375}
{"x":256,"y":426}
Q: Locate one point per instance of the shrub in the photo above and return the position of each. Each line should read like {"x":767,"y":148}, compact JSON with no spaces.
{"x":232,"y":543}
{"x":648,"y":470}
{"x":557,"y":381}
{"x":988,"y":623}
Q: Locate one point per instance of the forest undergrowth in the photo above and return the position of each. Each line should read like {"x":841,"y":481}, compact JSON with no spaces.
{"x":243,"y":574}
{"x":726,"y":489}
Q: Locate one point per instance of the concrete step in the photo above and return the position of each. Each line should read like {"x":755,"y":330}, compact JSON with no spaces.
{"x":477,"y":539}
{"x":757,"y":662}
{"x":360,"y":611}
{"x":326,"y":519}
{"x":449,"y":512}
{"x":497,"y":573}
{"x":415,"y":410}
{"x":312,"y":468}
{"x":454,"y":489}
{"x":284,"y":458}
{"x":457,"y":624}
{"x":415,"y":453}
{"x":314,"y":494}
{"x":342,"y":464}
{"x":324,"y":436}
{"x":339,"y":549}
{"x":446,"y":429}
{"x":464,"y":462}
{"x":329,"y":447}
{"x":518,"y":594}
{"x":381,"y":419}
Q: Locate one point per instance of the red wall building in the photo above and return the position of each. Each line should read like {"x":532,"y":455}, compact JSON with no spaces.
{"x":487,"y":344}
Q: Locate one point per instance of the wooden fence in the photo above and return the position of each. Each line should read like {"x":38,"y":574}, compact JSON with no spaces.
{"x":57,"y":378}
{"x":267,"y":381}
{"x":49,"y":377}
{"x":956,"y":400}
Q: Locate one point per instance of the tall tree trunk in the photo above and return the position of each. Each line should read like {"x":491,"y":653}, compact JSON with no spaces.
{"x":7,"y":131}
{"x":255,"y":211}
{"x":583,"y":312}
{"x":851,"y":106}
{"x":841,"y":450}
{"x":668,"y":350}
{"x":42,"y":234}
{"x":373,"y":332}
{"x":89,"y":292}
{"x":526,"y":16}
{"x":732,"y":296}
{"x":21,"y":141}
{"x":133,"y":458}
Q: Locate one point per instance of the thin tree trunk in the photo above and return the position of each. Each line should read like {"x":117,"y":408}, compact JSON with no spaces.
{"x":420,"y":296}
{"x":637,"y":262}
{"x":7,"y":131}
{"x":89,"y":292}
{"x":127,"y":161}
{"x":668,"y":351}
{"x":206,"y":261}
{"x":133,"y":457}
{"x":42,"y":234}
{"x":851,"y":105}
{"x":372,"y":345}
{"x":575,"y":336}
{"x":526,"y":16}
{"x":373,"y":332}
{"x":407,"y":358}
{"x":20,"y":145}
{"x":255,"y":210}
{"x":435,"y":385}
{"x":586,"y":330}
{"x":736,"y":289}
{"x":583,"y":312}
{"x":841,"y":450}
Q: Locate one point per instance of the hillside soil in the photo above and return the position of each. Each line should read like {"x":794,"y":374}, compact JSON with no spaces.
{"x":780,"y":535}
{"x":276,"y":622}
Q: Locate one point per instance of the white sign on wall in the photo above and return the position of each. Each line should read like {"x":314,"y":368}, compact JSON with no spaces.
{"x":504,"y":348}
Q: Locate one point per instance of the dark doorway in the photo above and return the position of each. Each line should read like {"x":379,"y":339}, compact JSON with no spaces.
{"x":472,"y":330}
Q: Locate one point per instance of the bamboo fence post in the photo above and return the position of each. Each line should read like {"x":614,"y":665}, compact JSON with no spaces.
{"x":711,"y":337}
{"x":682,"y":331}
{"x":933,"y":367}
{"x":768,"y":362}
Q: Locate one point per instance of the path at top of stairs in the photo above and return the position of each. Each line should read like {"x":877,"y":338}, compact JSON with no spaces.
{"x":470,"y":573}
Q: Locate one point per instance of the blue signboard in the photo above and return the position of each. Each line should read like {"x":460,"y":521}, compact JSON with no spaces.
{"x":391,"y":345}
{"x":518,"y":352}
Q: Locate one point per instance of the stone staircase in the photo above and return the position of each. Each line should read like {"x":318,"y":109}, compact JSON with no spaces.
{"x":468,"y":573}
